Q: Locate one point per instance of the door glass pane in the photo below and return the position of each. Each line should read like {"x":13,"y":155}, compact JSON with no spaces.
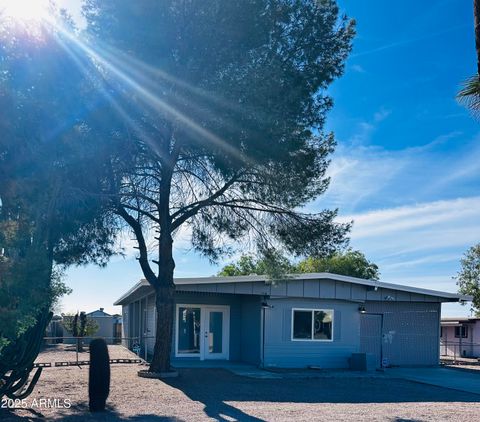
{"x":302,"y":324}
{"x":188,"y":330}
{"x":322,"y":329}
{"x":215,"y":332}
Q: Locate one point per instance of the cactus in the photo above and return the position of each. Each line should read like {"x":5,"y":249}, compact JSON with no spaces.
{"x":99,"y":375}
{"x":17,"y":360}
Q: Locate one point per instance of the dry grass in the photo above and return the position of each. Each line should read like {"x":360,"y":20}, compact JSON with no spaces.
{"x":208,"y":394}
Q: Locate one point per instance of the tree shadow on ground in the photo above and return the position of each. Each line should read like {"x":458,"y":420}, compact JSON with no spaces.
{"x":215,"y":388}
{"x":220,"y":391}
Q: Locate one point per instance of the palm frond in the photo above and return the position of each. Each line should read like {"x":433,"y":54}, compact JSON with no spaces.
{"x":469,"y":95}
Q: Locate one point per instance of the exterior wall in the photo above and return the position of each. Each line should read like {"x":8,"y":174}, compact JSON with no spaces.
{"x":244,"y":327}
{"x":105,"y":327}
{"x":282,"y":351}
{"x":251,"y":329}
{"x":234,"y":301}
{"x":457,"y":347}
{"x":150,"y":323}
{"x":125,"y":325}
{"x":410,"y":332}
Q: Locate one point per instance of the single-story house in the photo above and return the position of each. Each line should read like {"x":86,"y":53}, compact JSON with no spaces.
{"x":460,"y":337}
{"x":315,"y":319}
{"x":109,"y":327}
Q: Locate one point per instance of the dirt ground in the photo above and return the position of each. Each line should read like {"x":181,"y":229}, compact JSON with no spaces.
{"x":216,"y":394}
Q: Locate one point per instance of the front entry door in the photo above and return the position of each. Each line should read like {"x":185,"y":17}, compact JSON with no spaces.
{"x":202,"y":331}
{"x":215,"y":333}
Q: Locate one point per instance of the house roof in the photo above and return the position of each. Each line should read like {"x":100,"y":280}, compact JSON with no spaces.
{"x":456,"y":321}
{"x":98,"y":313}
{"x":143,"y":287}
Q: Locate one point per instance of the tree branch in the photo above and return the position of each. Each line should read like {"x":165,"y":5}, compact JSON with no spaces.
{"x":142,"y":246}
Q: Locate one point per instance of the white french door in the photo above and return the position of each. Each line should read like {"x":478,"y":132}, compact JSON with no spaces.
{"x":202,"y":331}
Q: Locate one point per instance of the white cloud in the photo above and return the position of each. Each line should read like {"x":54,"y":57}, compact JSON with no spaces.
{"x":367,"y":177}
{"x":420,"y":244}
{"x":430,"y":259}
{"x":381,"y":115}
{"x":421,"y":235}
{"x":420,"y":216}
{"x":357,"y":68}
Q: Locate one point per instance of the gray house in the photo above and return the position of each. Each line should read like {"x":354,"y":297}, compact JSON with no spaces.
{"x":317,"y":319}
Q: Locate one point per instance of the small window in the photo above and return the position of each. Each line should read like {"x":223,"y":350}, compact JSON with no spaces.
{"x":441,"y":331}
{"x":312,"y":324}
{"x":461,"y":332}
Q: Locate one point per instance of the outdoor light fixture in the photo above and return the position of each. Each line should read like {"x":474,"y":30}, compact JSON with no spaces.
{"x":362,"y":309}
{"x":265,"y":304}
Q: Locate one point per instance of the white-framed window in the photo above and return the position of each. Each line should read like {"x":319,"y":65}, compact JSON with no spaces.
{"x":312,"y":324}
{"x":461,"y":332}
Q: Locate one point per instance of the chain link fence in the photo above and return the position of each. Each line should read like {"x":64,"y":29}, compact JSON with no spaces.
{"x":460,"y":352}
{"x":74,"y":351}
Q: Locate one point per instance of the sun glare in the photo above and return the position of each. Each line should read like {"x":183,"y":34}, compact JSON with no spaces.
{"x":24,"y":10}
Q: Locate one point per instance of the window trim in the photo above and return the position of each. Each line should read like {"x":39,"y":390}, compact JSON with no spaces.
{"x":461,"y":329}
{"x":312,"y":310}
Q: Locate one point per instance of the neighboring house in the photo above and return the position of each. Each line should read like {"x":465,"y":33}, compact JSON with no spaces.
{"x":460,"y":337}
{"x":315,"y":319}
{"x":109,"y":327}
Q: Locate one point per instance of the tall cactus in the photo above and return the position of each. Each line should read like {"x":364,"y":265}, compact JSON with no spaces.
{"x":17,"y":360}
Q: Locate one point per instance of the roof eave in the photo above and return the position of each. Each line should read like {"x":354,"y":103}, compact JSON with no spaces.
{"x":448,"y":297}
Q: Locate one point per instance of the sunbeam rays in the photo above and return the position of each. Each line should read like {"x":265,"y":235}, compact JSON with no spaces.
{"x":126,"y":70}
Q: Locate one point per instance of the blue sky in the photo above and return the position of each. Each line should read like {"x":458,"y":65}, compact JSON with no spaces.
{"x":406,"y":168}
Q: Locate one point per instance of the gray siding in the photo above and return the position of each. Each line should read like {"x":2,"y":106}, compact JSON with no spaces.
{"x":125,"y":325}
{"x":150,"y":331}
{"x":251,"y":334}
{"x":410,"y":328}
{"x":410,"y":331}
{"x":105,"y":327}
{"x":315,"y":289}
{"x":281,"y":351}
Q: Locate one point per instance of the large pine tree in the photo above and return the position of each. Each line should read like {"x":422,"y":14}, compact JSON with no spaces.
{"x":223,"y":103}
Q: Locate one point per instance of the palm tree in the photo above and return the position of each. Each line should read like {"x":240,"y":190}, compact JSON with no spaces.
{"x":470,"y":93}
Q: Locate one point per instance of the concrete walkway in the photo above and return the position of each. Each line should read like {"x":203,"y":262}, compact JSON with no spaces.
{"x":468,"y":381}
{"x":251,"y":371}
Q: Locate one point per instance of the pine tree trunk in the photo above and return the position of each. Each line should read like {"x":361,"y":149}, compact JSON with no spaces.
{"x":163,"y":332}
{"x":165,"y":291}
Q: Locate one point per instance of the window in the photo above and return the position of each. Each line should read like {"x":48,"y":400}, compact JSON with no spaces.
{"x":312,"y":324}
{"x":441,"y":331}
{"x":461,"y":332}
{"x":188,"y":330}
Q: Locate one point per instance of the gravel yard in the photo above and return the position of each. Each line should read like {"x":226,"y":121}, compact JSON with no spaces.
{"x":67,"y":353}
{"x":216,"y":394}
